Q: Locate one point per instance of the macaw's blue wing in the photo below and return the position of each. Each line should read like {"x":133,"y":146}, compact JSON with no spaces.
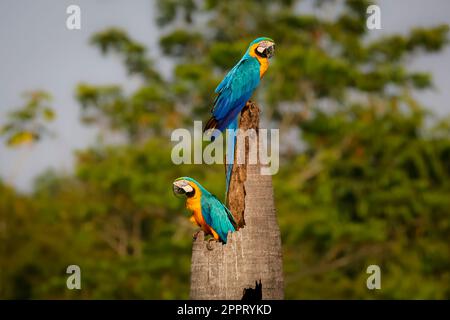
{"x":217,"y":216}
{"x":234,"y":91}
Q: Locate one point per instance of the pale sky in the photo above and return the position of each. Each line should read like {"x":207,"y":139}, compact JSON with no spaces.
{"x":37,"y":51}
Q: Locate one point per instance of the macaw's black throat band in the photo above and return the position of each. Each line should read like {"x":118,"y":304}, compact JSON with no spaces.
{"x":190,"y":194}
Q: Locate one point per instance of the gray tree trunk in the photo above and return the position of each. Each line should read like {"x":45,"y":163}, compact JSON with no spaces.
{"x":253,"y":253}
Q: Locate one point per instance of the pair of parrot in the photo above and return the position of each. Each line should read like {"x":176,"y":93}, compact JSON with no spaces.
{"x":211,"y":215}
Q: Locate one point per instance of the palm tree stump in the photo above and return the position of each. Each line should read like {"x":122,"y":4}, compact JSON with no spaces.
{"x":249,"y":266}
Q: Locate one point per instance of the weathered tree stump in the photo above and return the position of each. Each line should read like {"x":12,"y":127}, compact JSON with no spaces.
{"x":236,"y":194}
{"x":253,"y":253}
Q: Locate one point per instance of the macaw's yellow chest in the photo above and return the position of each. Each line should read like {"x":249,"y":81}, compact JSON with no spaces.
{"x":263,"y":62}
{"x":193,"y":204}
{"x":264,"y":65}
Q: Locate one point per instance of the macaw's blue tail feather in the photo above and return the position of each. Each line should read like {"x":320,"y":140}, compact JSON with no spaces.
{"x":229,"y":170}
{"x":231,"y":143}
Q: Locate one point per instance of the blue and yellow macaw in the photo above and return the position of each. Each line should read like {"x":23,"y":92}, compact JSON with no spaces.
{"x":211,"y":215}
{"x":236,"y":89}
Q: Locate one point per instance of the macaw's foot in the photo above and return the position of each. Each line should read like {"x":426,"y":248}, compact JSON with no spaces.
{"x":209,"y":245}
{"x":195,"y":235}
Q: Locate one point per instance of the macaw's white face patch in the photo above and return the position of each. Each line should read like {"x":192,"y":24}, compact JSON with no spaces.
{"x":260,"y":49}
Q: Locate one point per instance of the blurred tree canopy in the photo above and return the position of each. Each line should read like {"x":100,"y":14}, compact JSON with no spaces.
{"x":28,"y":124}
{"x":365,"y":181}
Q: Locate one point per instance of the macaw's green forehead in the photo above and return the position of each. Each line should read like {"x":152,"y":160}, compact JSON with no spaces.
{"x":186,"y":178}
{"x":190,"y":180}
{"x":261,"y":39}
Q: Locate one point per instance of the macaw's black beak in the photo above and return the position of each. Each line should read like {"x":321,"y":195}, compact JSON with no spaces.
{"x":181,"y":188}
{"x":269,"y":51}
{"x":178,"y":191}
{"x":266,"y":49}
{"x":266,"y":52}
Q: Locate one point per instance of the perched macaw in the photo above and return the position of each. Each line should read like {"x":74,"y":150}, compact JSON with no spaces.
{"x":236,"y":89}
{"x":211,"y":215}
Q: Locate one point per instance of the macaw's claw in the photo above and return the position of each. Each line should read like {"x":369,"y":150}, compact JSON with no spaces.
{"x":209,"y":245}
{"x":195,"y":235}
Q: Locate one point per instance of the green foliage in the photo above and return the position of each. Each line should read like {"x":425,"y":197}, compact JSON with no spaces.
{"x":116,"y":218}
{"x":369,"y":186}
{"x":180,"y":41}
{"x":28,"y":124}
{"x":169,"y":9}
{"x":134,"y":54}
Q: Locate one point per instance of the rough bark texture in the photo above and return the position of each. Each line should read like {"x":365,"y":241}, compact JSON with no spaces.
{"x":236,"y":195}
{"x":251,"y":254}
